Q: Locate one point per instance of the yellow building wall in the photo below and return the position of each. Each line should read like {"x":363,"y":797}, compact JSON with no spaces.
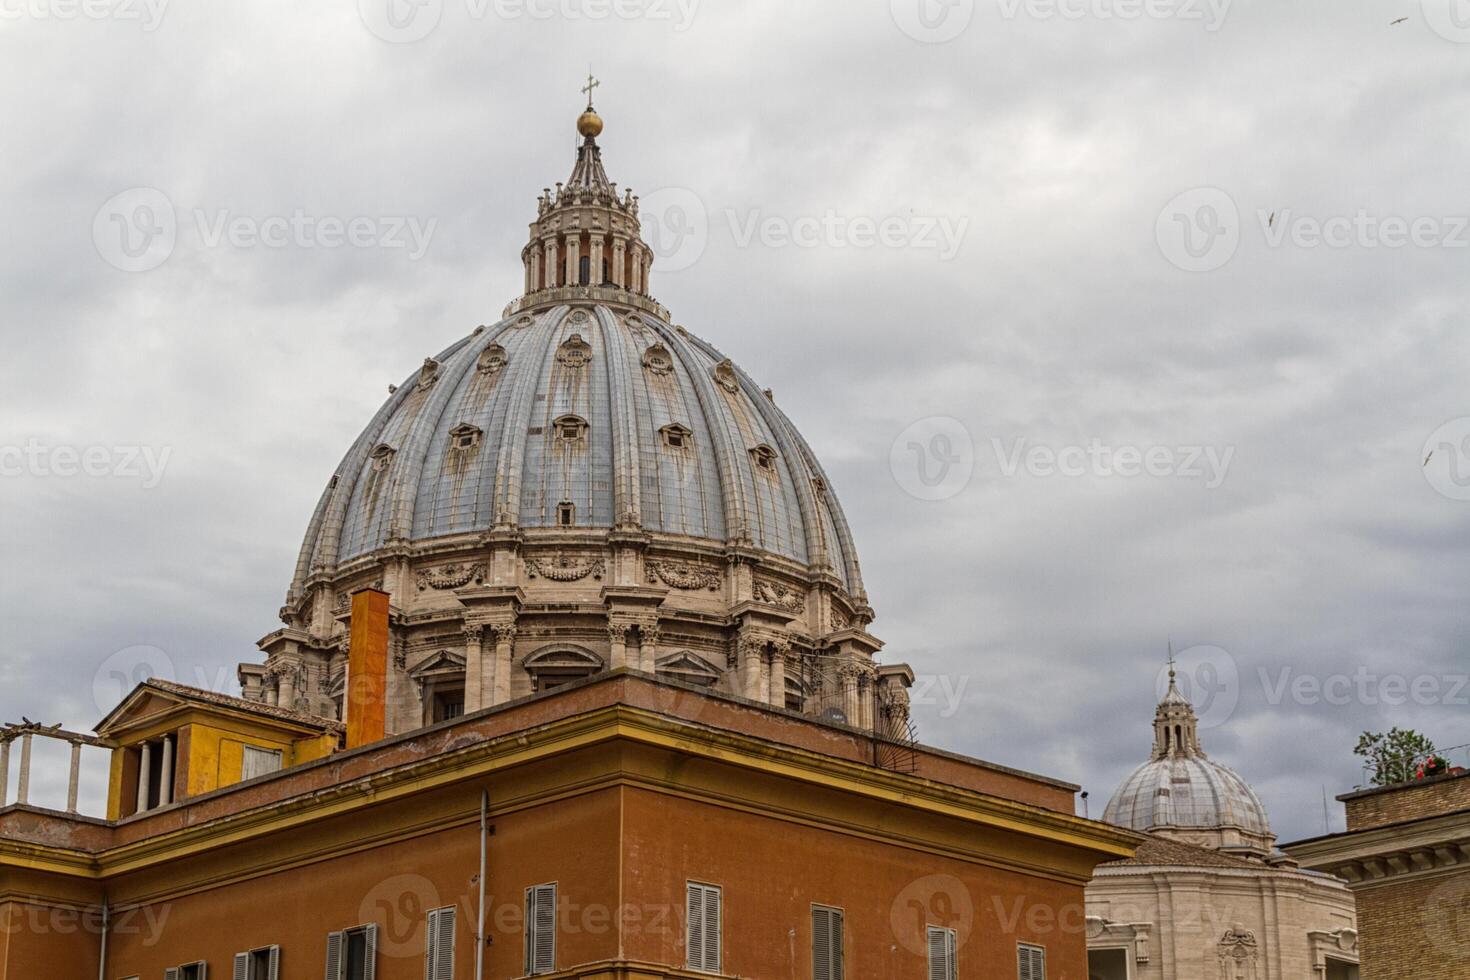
{"x":213,"y":754}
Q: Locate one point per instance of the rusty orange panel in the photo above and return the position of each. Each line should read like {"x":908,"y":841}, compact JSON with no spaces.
{"x":367,"y":668}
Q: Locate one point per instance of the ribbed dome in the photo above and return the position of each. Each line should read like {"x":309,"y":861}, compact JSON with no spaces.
{"x":1180,"y":792}
{"x":630,"y":421}
{"x":1186,"y":792}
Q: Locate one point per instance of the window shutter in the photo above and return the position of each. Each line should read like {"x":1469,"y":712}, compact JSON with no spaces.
{"x":941,"y":954}
{"x":335,"y":942}
{"x":826,"y":944}
{"x":172,"y":973}
{"x":695,"y":900}
{"x":275,"y":964}
{"x":370,"y":952}
{"x":1032,"y":963}
{"x":242,"y":966}
{"x":712,"y":930}
{"x":541,"y":929}
{"x":439,"y":946}
{"x":203,"y":971}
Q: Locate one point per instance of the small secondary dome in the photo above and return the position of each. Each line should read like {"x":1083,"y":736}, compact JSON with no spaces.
{"x":1180,"y":792}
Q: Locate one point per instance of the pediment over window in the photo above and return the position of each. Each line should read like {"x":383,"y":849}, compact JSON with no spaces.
{"x":443,"y":662}
{"x":688,"y":667}
{"x":561,"y":656}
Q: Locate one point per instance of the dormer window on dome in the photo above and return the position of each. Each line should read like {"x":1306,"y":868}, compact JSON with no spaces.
{"x":658,"y":360}
{"x":464,"y":437}
{"x":492,"y":360}
{"x":764,"y":457}
{"x":569,"y":428}
{"x":382,"y":456}
{"x":574,"y":352}
{"x":676,"y":436}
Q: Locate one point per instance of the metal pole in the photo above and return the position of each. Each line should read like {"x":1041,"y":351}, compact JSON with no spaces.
{"x":480,"y":912}
{"x":102,"y":956}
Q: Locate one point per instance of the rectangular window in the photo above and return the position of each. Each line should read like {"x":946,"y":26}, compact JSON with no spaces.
{"x":259,"y":762}
{"x":541,"y":929}
{"x":439,"y":945}
{"x":353,"y":954}
{"x":826,"y":943}
{"x":704,"y":927}
{"x":1030,"y":962}
{"x":259,"y":964}
{"x":189,"y":971}
{"x":941,"y":954}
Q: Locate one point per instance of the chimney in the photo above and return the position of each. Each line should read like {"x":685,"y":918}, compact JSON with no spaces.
{"x":367,"y":668}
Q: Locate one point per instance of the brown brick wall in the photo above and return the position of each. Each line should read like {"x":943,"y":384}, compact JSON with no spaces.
{"x":1408,"y":802}
{"x":1418,"y":930}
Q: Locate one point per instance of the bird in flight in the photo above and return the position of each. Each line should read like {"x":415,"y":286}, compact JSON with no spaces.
{"x":1429,"y":457}
{"x":1398,"y":22}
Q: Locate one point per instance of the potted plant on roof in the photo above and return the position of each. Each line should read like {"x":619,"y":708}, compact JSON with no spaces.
{"x":1435,"y":765}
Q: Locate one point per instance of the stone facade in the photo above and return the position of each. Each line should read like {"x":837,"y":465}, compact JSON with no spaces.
{"x":1406,"y":856}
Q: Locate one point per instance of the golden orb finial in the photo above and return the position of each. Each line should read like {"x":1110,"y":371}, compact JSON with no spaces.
{"x":589,"y":123}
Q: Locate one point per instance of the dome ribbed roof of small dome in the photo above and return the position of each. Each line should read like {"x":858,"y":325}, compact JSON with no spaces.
{"x":1186,"y":792}
{"x":670,"y":437}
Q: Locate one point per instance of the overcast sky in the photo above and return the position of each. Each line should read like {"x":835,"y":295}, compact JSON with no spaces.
{"x":954,"y":239}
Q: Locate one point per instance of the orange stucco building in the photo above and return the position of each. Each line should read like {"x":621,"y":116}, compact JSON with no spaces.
{"x":619,"y":791}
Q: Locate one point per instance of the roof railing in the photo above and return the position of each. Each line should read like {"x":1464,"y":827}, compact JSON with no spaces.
{"x":26,"y":730}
